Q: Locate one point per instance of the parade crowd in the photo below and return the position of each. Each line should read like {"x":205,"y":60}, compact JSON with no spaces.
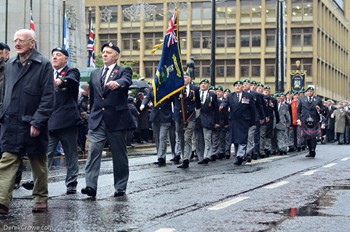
{"x":41,"y":109}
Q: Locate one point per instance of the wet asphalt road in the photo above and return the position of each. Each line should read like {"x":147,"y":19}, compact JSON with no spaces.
{"x":279,"y":193}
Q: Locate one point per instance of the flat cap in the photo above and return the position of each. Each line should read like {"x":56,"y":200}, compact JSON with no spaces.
{"x":61,"y":50}
{"x":110,"y":45}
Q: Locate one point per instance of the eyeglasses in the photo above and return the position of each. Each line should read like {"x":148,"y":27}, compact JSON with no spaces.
{"x":21,"y":41}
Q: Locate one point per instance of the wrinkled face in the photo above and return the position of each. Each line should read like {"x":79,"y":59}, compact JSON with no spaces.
{"x":219,"y":93}
{"x":23,"y":42}
{"x":310,"y":93}
{"x":109,"y":56}
{"x":187,"y":80}
{"x":204,"y":86}
{"x":246,"y":86}
{"x":58,"y":60}
{"x":238,"y":88}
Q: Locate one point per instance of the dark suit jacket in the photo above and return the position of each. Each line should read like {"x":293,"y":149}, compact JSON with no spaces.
{"x":259,"y":103}
{"x":242,"y":116}
{"x":191,"y":103}
{"x":305,"y":109}
{"x":111,"y":106}
{"x":162,"y":113}
{"x":66,"y":111}
{"x":209,"y":115}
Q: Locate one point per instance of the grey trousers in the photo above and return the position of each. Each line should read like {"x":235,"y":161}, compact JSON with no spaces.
{"x":184,"y":139}
{"x":68,"y":138}
{"x":160,"y":133}
{"x":251,"y":142}
{"x":117,"y":142}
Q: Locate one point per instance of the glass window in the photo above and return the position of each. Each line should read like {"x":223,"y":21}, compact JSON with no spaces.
{"x":245,"y":37}
{"x":220,"y":39}
{"x":270,"y":37}
{"x":196,"y":39}
{"x":93,"y":14}
{"x":271,"y":9}
{"x":270,"y":69}
{"x":256,"y":38}
{"x":150,"y":68}
{"x":196,"y":10}
{"x":108,"y":14}
{"x":231,"y":39}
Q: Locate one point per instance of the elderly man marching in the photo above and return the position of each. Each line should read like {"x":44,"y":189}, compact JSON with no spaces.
{"x":242,"y":117}
{"x":186,"y":104}
{"x":309,"y":118}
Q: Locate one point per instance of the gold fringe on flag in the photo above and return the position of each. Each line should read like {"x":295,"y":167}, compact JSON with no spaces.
{"x":156,"y":47}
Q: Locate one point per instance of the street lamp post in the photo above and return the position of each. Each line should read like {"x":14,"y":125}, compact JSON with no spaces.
{"x":213,"y":42}
{"x":280,"y":47}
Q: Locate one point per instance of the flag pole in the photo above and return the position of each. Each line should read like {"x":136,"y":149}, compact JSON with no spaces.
{"x":89,"y":53}
{"x":63,"y":21}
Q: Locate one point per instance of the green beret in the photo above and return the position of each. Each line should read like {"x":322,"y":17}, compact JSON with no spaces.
{"x":267,"y":87}
{"x":186,"y":74}
{"x":227,"y":90}
{"x":204,"y":80}
{"x":277,"y":95}
{"x":219,"y":87}
{"x":246,"y":80}
{"x":310,"y":88}
{"x":238,"y":82}
{"x":253,"y":82}
{"x":212,"y":88}
{"x":261,"y":85}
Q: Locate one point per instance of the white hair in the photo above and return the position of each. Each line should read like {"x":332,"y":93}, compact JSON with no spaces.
{"x":31,"y":33}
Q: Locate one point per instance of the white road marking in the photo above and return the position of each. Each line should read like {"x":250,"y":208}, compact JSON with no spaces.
{"x":166,"y":230}
{"x":228,"y":203}
{"x":265,"y":160}
{"x":345,"y":159}
{"x":309,"y":173}
{"x":275,"y":185}
{"x":329,"y":165}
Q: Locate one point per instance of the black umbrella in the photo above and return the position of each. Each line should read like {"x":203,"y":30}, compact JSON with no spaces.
{"x":139,"y":84}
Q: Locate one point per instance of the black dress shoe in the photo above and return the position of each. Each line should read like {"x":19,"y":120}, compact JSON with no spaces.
{"x":204,"y":161}
{"x":298,"y":149}
{"x":119,"y":194}
{"x":239,"y":161}
{"x":249,"y":159}
{"x":227,"y":156}
{"x":161,"y":162}
{"x":184,"y":164}
{"x":221,"y":156}
{"x":29,"y":185}
{"x":71,"y":189}
{"x":89,"y":191}
{"x":213,"y":158}
{"x":311,"y":154}
{"x":177,"y":159}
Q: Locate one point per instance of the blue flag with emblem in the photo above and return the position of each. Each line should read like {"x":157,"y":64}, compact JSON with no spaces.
{"x":168,"y":79}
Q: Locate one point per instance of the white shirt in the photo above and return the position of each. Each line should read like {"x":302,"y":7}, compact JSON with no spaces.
{"x":110,"y":68}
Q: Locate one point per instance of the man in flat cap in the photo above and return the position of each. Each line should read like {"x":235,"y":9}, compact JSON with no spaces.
{"x":309,"y":118}
{"x":242,"y":116}
{"x":65,"y":120}
{"x":109,"y":119}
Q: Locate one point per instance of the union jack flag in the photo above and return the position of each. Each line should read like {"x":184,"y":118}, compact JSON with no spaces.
{"x":171,"y":31}
{"x":91,"y":47}
{"x":168,"y":79}
{"x":32,"y":26}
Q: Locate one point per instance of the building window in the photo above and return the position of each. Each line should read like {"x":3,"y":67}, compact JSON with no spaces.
{"x":302,"y":36}
{"x":131,"y":41}
{"x":225,"y":39}
{"x":271,"y":9}
{"x":201,"y":10}
{"x":250,"y":68}
{"x":250,"y":10}
{"x":231,"y":38}
{"x":201,"y":39}
{"x":108,"y":14}
{"x":182,"y":13}
{"x":250,"y":38}
{"x":270,"y":37}
{"x":301,"y":9}
{"x":226,"y":10}
{"x":270,"y":67}
{"x":152,"y":39}
{"x":93,"y":14}
{"x":150,"y":68}
{"x":104,"y":38}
